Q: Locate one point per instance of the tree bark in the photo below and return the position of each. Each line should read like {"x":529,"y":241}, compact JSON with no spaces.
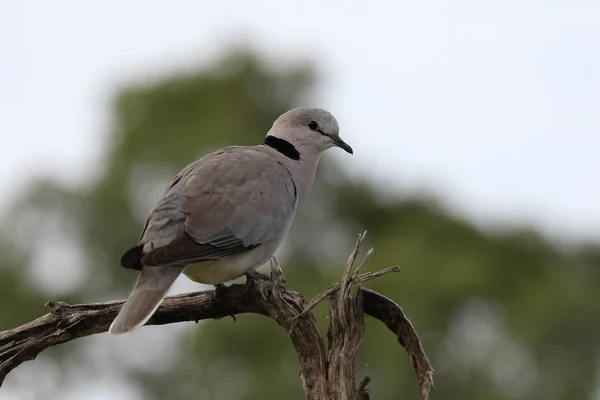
{"x":326,"y":375}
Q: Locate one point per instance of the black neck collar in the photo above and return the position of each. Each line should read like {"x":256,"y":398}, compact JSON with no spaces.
{"x":282,"y":146}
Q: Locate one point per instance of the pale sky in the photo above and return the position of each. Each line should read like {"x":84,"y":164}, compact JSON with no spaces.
{"x":494,"y":106}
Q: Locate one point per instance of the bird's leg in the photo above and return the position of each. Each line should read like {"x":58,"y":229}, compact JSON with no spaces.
{"x":219,"y":287}
{"x":252,"y":277}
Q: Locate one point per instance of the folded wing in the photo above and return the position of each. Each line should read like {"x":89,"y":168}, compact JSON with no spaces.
{"x":226,"y":203}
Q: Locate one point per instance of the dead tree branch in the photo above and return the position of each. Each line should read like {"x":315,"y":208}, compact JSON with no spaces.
{"x":325,"y":374}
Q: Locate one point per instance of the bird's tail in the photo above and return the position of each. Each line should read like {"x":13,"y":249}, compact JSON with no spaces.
{"x":147,"y":294}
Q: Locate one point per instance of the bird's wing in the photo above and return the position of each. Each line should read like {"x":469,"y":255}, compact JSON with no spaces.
{"x":226,"y":203}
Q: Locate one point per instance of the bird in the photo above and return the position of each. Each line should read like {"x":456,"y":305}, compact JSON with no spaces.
{"x":225,"y":214}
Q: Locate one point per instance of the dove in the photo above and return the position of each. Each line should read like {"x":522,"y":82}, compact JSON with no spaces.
{"x":225,"y":214}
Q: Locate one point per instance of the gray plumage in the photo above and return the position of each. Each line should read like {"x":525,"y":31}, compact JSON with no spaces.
{"x":228,"y":212}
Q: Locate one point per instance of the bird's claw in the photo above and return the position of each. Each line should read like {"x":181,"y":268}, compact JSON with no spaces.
{"x":219,"y":287}
{"x":254,"y":275}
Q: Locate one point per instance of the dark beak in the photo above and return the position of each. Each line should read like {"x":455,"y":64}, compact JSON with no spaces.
{"x":341,"y":144}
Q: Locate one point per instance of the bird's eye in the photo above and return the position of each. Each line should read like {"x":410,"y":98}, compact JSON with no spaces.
{"x":312,"y":124}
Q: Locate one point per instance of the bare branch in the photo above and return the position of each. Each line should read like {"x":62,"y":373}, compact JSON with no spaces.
{"x":325,"y":376}
{"x":390,"y":313}
{"x":67,"y":322}
{"x":346,"y":330}
{"x":367,"y":276}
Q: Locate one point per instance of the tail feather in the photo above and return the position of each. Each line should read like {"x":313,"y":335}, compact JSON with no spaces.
{"x":147,"y":294}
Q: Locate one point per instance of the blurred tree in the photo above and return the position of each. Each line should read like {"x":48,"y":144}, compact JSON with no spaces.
{"x":502,"y":316}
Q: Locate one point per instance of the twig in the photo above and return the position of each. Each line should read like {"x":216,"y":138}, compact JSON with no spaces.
{"x":345,"y":333}
{"x":363,"y":262}
{"x":367,"y":276}
{"x":346,"y":276}
{"x":363,"y":391}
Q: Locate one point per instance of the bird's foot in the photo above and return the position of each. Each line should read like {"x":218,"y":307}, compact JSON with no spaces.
{"x":275,"y":281}
{"x":219,"y":287}
{"x":255,"y":275}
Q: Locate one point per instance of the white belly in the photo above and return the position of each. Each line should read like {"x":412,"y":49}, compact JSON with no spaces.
{"x":230,"y":268}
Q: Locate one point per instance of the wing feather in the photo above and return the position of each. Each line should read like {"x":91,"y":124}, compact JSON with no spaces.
{"x":225,"y":203}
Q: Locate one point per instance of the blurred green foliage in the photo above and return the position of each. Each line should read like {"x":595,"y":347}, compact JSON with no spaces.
{"x":505,"y":316}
